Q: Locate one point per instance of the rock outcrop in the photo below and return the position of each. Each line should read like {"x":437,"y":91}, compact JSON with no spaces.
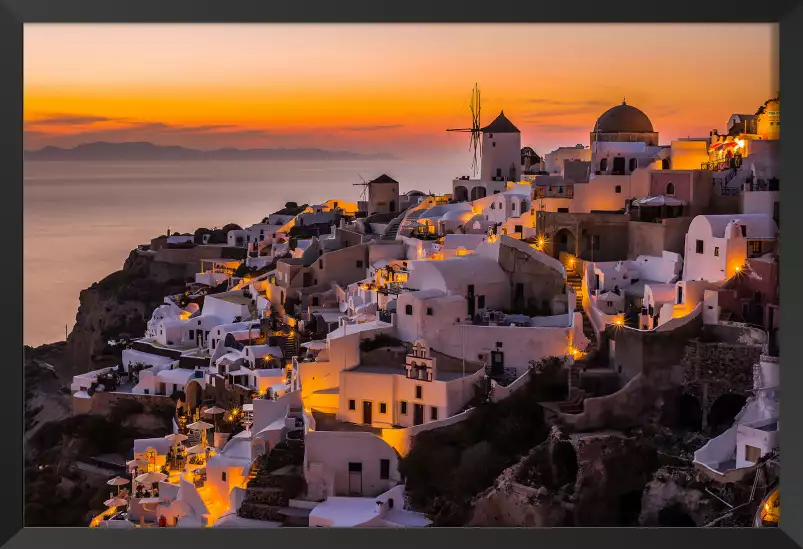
{"x":580,"y":480}
{"x":119,"y":306}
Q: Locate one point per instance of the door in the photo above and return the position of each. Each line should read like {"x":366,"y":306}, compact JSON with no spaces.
{"x":680,"y":295}
{"x":497,"y":363}
{"x":596,"y":281}
{"x":367,"y":412}
{"x":307,"y":279}
{"x":418,"y":414}
{"x":470,"y":297}
{"x":162,"y":389}
{"x":355,"y":479}
{"x":619,"y":165}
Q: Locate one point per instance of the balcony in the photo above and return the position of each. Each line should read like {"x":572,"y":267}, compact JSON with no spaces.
{"x":550,"y":192}
{"x":722,"y":164}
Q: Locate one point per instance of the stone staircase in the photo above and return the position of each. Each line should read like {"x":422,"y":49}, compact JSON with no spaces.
{"x":575,"y":377}
{"x":392,"y":229}
{"x":274,"y":483}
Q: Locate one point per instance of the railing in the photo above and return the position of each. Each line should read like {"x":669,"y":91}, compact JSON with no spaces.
{"x":561,"y":192}
{"x":720,"y":165}
{"x":761,"y":185}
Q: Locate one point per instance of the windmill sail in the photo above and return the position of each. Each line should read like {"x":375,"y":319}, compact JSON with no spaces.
{"x":475,"y":143}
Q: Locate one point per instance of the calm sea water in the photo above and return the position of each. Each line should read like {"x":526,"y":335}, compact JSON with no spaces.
{"x":83,"y":218}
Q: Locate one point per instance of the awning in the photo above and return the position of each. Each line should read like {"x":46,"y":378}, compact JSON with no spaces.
{"x":660,"y":200}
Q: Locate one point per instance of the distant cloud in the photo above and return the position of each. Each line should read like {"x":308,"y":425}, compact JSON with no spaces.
{"x":372,"y":128}
{"x":70,"y":120}
{"x":557,"y":128}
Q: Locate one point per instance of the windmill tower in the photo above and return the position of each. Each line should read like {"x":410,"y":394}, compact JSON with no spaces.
{"x":382,"y":194}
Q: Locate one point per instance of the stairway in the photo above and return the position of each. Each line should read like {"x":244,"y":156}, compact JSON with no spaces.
{"x":575,"y":377}
{"x":393,"y":228}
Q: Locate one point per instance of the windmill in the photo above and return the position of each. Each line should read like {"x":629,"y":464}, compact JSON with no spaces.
{"x":365,"y":184}
{"x":475,"y":143}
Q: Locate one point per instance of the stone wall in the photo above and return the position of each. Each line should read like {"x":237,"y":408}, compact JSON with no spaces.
{"x":711,"y":370}
{"x":104,"y":402}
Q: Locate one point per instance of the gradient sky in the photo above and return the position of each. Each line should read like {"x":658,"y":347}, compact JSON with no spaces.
{"x":383,"y":88}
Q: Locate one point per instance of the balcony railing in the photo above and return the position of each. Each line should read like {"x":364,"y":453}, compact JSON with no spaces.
{"x":755,"y":185}
{"x":559,"y":192}
{"x":723,"y":164}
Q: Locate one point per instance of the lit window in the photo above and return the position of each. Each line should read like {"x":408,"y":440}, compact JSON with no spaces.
{"x":716,"y":251}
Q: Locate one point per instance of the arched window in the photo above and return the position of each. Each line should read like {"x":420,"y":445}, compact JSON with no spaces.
{"x":670,"y":188}
{"x":665,"y":164}
{"x":603,"y":165}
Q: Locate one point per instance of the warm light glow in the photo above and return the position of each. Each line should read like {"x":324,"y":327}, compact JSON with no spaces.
{"x":738,"y":268}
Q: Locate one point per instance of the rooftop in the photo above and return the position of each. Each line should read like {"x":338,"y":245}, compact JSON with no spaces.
{"x":501,"y":125}
{"x":329,"y":422}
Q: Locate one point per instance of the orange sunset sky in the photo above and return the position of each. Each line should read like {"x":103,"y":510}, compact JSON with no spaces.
{"x":383,"y":88}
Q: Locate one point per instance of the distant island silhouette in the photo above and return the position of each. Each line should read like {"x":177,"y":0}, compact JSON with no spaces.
{"x":102,"y":150}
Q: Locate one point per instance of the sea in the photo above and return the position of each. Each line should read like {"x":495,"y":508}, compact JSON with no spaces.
{"x":81,"y":219}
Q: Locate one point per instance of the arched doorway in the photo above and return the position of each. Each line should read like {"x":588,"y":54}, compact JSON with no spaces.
{"x":460,"y":193}
{"x":723,"y":412}
{"x":689,"y":413}
{"x":194,"y":393}
{"x":563,"y":241}
{"x":478,"y":192}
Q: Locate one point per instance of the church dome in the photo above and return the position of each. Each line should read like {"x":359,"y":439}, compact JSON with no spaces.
{"x":623,"y":118}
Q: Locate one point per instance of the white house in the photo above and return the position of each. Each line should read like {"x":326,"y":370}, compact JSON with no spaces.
{"x":718,"y":245}
{"x":755,"y":432}
{"x":383,"y":511}
{"x":554,"y":161}
{"x":407,"y":394}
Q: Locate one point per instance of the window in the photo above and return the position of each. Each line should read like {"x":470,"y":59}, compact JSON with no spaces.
{"x":320,"y":263}
{"x":493,"y":143}
{"x":192,"y":334}
{"x":408,"y":309}
{"x":359,"y":263}
{"x":755,"y":247}
{"x":383,"y":408}
{"x":352,"y":405}
{"x":433,"y":413}
{"x":751,"y":453}
{"x":355,"y":467}
{"x":699,"y":246}
{"x":384,"y":469}
{"x":716,"y":251}
{"x":744,"y":230}
{"x":147,"y":391}
{"x":603,"y":164}
{"x":518,"y":229}
{"x":429,"y":311}
{"x":403,"y":407}
{"x":617,"y":189}
{"x":498,"y":172}
{"x":481,"y":302}
{"x":213,"y":343}
{"x":632,"y":164}
{"x":513,"y":206}
{"x":563,"y":210}
{"x":223,"y":476}
{"x":419,"y":391}
{"x":670,"y":188}
{"x":498,"y":343}
{"x":315,"y":301}
{"x":493,"y":206}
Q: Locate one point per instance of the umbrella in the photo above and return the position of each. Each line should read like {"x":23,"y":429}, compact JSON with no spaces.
{"x":150,"y":478}
{"x":136,"y":463}
{"x":197,"y":449}
{"x":176,"y":437}
{"x":319,"y":345}
{"x":115,"y":502}
{"x":215,"y":411}
{"x":200,"y":426}
{"x":149,"y":501}
{"x":118,"y":481}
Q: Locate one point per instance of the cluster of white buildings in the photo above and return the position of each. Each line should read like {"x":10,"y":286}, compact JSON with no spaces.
{"x":364,"y":324}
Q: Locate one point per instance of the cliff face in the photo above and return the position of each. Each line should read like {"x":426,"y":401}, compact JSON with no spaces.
{"x":584,"y":480}
{"x":119,"y":306}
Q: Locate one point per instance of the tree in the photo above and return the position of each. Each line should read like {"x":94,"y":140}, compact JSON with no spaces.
{"x":291,"y":205}
{"x":231,"y":227}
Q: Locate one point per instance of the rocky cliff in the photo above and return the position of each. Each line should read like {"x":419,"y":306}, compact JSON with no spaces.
{"x":119,"y":307}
